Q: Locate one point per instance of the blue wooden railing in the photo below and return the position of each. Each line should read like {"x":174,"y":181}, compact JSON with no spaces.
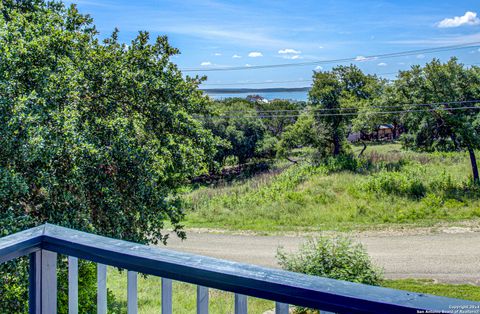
{"x":43,"y":243}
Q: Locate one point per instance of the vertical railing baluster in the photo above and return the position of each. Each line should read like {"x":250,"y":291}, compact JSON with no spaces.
{"x":49,"y":282}
{"x":240,"y":304}
{"x":202,"y":300}
{"x":72,"y":285}
{"x":132,"y":294}
{"x":35,"y":280}
{"x":101,"y":289}
{"x":166,"y":296}
{"x":281,"y":308}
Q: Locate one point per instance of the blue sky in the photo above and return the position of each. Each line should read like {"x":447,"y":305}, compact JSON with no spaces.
{"x":217,"y":33}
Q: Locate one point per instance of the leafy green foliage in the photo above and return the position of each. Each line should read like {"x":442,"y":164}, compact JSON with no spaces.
{"x":397,"y":182}
{"x":332,"y":257}
{"x":438,"y":82}
{"x":96,"y":136}
{"x":245,"y":136}
{"x":336,"y":257}
{"x":343,"y":87}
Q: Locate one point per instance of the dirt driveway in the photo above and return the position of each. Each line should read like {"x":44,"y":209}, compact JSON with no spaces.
{"x":449,"y":256}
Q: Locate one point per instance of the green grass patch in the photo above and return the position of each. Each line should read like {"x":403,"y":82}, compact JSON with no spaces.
{"x":388,"y":187}
{"x":462,"y":291}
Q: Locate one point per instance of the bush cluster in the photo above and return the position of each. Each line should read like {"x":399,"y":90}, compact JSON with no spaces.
{"x":335,"y":257}
{"x":397,"y":183}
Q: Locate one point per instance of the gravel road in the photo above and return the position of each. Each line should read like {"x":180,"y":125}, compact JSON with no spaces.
{"x":446,"y":256}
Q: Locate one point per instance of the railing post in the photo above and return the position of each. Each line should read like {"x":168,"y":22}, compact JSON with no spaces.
{"x":132,"y":300}
{"x":101,"y":289}
{"x":281,"y":308}
{"x":166,"y":296}
{"x":72,"y":285}
{"x":240,"y":304}
{"x":49,"y":282}
{"x":202,"y":300}
{"x":35,"y":281}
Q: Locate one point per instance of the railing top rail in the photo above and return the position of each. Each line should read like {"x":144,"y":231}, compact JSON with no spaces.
{"x":21,"y":243}
{"x":287,"y":287}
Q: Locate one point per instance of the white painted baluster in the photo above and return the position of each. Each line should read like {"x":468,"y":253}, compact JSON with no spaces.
{"x":166,"y":296}
{"x":49,"y":282}
{"x":132,"y":294}
{"x":240,"y":304}
{"x":202,"y":300}
{"x":281,"y":308}
{"x":101,"y":289}
{"x":72,"y":285}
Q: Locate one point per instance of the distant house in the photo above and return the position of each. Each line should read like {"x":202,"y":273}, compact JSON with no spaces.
{"x":256,"y":98}
{"x":384,"y":132}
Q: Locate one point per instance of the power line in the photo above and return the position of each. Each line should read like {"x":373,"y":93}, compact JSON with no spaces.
{"x":299,"y":81}
{"x":351,"y":108}
{"x":275,"y":82}
{"x":256,"y":83}
{"x":351,"y":59}
{"x":343,"y":114}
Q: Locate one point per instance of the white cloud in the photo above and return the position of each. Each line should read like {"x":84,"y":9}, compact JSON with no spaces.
{"x":320,"y":47}
{"x":235,"y":56}
{"x":255,"y":54}
{"x":469,"y":18}
{"x":289,"y":51}
{"x":205,"y":63}
{"x":217,"y":54}
{"x":420,"y":56}
{"x":318,"y":68}
{"x":247,"y":65}
{"x":362,"y":58}
{"x":382,"y":64}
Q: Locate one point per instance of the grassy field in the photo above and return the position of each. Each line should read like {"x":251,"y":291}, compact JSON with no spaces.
{"x":388,"y":187}
{"x":149,"y":294}
{"x":464,"y":291}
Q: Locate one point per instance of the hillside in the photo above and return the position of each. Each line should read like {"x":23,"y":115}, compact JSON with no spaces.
{"x":388,"y":187}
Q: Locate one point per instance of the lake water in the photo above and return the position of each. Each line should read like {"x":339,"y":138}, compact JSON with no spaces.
{"x":300,"y":96}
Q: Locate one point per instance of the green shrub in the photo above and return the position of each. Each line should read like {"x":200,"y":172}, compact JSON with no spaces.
{"x":407,"y":184}
{"x":332,"y":257}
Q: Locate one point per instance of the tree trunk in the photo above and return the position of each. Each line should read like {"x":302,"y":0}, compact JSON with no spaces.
{"x":363,"y":149}
{"x":473,"y":161}
{"x":336,"y":145}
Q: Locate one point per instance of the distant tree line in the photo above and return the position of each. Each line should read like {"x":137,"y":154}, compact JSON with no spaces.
{"x":347,"y":100}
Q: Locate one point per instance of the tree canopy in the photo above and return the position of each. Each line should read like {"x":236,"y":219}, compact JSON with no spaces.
{"x":441,"y":84}
{"x":94,"y":135}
